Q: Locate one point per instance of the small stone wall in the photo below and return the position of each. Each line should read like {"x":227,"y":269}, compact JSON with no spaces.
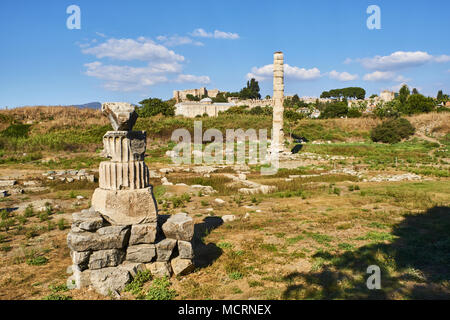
{"x":107,"y":257}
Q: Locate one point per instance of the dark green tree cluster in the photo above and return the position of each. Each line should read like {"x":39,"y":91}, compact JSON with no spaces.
{"x":294,"y":102}
{"x":220,"y":98}
{"x":251,"y":91}
{"x":154,"y":106}
{"x":191,"y":97}
{"x":414,"y":103}
{"x":392,"y":131}
{"x":347,"y":93}
{"x":334,"y":110}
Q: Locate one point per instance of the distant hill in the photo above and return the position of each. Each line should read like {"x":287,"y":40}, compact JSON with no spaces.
{"x":90,"y":105}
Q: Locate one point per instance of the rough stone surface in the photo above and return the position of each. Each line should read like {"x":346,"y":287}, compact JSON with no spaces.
{"x":106,"y":258}
{"x":89,"y":221}
{"x":164,"y":249}
{"x":114,"y":237}
{"x":181,"y":266}
{"x":143,"y":233}
{"x":109,"y":280}
{"x":133,"y":268}
{"x":228,"y":217}
{"x":7,"y":183}
{"x":126,"y":207}
{"x":79,"y":279}
{"x":121,"y":115}
{"x":179,"y":226}
{"x":142,"y":253}
{"x":159,"y":269}
{"x":185,"y":250}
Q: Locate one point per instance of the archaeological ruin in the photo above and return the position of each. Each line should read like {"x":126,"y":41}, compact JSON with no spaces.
{"x":122,"y":233}
{"x":278,"y":97}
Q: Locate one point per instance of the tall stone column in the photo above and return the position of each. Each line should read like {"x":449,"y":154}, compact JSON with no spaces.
{"x":124,"y":196}
{"x":278,"y":97}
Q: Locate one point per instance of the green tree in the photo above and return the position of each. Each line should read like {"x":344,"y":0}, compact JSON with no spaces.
{"x":153,"y":106}
{"x":415,"y":91}
{"x":220,"y":98}
{"x":403,"y":94}
{"x":334,"y":110}
{"x":440,"y":96}
{"x":418,"y":103}
{"x":251,"y":91}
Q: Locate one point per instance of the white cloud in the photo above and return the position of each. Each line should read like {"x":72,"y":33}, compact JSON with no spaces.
{"x":127,"y":78}
{"x":191,"y":78}
{"x":442,"y":58}
{"x":294,"y":73}
{"x":130,"y":49}
{"x":217,"y":34}
{"x":348,"y":61}
{"x":401,"y":59}
{"x":342,"y":76}
{"x":384,"y":76}
{"x":101,"y":34}
{"x":176,"y":40}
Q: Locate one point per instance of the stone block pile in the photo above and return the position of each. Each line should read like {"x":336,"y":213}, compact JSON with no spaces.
{"x":107,"y":257}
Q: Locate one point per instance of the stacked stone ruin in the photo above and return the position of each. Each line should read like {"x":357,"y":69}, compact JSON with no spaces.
{"x":122,"y":233}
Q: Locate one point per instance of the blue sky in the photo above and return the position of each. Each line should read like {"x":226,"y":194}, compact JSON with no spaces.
{"x":131,"y":50}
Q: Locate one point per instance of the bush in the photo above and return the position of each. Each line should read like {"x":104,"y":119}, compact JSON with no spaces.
{"x":335,"y":110}
{"x":392,"y":131}
{"x":160,"y":290}
{"x":151,"y":107}
{"x":16,"y":131}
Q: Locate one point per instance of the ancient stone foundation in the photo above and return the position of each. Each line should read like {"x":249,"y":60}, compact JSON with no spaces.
{"x":122,"y":234}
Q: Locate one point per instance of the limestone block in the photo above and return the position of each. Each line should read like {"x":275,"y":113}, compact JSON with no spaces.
{"x":111,"y":280}
{"x":126,"y":207}
{"x":164,"y":249}
{"x":132,"y":267}
{"x":228,"y":218}
{"x":114,"y":237}
{"x":181,"y":266}
{"x":142,"y":253}
{"x":122,"y":176}
{"x":185,"y":250}
{"x":125,"y":146}
{"x":159,"y":269}
{"x":121,"y":115}
{"x":143,"y":233}
{"x":80,"y":259}
{"x":179,"y":226}
{"x":89,"y":221}
{"x":106,"y":258}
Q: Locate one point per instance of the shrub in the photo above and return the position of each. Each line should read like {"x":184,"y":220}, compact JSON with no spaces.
{"x":61,"y":224}
{"x":37,"y":261}
{"x":16,"y":131}
{"x":392,"y":131}
{"x":160,"y":290}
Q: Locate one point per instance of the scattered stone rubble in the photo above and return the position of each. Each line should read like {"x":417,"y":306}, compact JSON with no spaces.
{"x":393,"y":178}
{"x":69,"y":175}
{"x":251,"y":186}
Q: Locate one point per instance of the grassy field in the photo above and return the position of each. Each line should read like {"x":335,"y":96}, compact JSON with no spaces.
{"x":312,"y":238}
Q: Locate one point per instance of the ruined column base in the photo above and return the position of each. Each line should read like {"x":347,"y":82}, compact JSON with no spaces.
{"x":107,"y":257}
{"x":125,"y":207}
